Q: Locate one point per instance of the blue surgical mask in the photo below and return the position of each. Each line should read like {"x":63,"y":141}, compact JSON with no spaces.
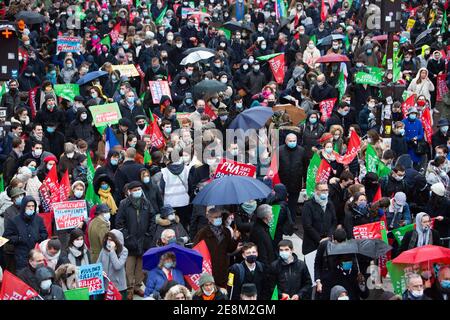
{"x":78,"y":193}
{"x":217,"y":222}
{"x":137,"y":194}
{"x":130,"y":100}
{"x":168,"y":265}
{"x":347,"y":265}
{"x":362,"y":205}
{"x":323,"y":196}
{"x":401,"y":131}
{"x":285,"y":255}
{"x":104,"y":186}
{"x":29,"y":212}
{"x":114,"y":162}
{"x":313,"y":120}
{"x":329,"y":150}
{"x":18,"y":200}
{"x":292,"y":145}
{"x":445,"y":284}
{"x":412,"y":116}
{"x":50,"y":129}
{"x":146,"y":180}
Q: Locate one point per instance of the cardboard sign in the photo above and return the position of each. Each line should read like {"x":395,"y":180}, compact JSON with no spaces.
{"x":105,"y":114}
{"x":69,"y":214}
{"x":228,"y":167}
{"x":296,"y":114}
{"x":91,"y":276}
{"x":128,"y":70}
{"x":68,"y":44}
{"x":159,"y":89}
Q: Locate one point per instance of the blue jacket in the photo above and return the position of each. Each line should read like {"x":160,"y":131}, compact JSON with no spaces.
{"x":413,"y":129}
{"x":405,"y":215}
{"x":156,"y":279}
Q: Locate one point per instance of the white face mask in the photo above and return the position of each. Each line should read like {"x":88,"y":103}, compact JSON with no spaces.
{"x":344,"y":298}
{"x":78,"y":243}
{"x":182,"y":81}
{"x":417,"y":293}
{"x":46,"y":284}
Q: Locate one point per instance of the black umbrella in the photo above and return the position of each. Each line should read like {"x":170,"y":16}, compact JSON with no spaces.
{"x":190,"y":50}
{"x":30,"y":17}
{"x":285,"y":21}
{"x":208,"y":87}
{"x":425,"y":37}
{"x":236,"y":26}
{"x":372,"y":248}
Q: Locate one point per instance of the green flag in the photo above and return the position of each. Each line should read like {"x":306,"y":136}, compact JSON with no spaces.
{"x":313,"y":38}
{"x":382,"y":170}
{"x":2,"y":183}
{"x":67,"y":91}
{"x":347,"y":43}
{"x":276,"y":213}
{"x":91,"y":197}
{"x":3,"y":90}
{"x":341,"y":85}
{"x":444,"y":23}
{"x":384,"y":236}
{"x":77,"y":294}
{"x":379,"y":72}
{"x":371,"y":159}
{"x":275,"y":293}
{"x":368,"y":78}
{"x":269,"y":56}
{"x":399,"y":233}
{"x":160,"y":18}
{"x":138,"y":3}
{"x":226,"y":32}
{"x":311,"y":175}
{"x":147,"y":157}
{"x":396,"y":72}
{"x":106,"y":41}
{"x":397,"y":276}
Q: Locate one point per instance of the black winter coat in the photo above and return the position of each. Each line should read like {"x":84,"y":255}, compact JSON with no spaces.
{"x":137,"y":228}
{"x":260,"y":236}
{"x":11,"y":103}
{"x":390,"y":186}
{"x":28,"y":275}
{"x":409,"y":243}
{"x":399,"y":145}
{"x":56,"y":141}
{"x":130,"y":115}
{"x":317,"y":224}
{"x":323,"y":93}
{"x":440,"y":206}
{"x":127,"y":172}
{"x":24,"y":232}
{"x":292,"y":278}
{"x":153,"y":195}
{"x":291,"y":166}
{"x":259,"y":279}
{"x":349,"y":282}
{"x":438,"y":138}
{"x":310,"y":136}
{"x":44,"y":117}
{"x":81,"y":129}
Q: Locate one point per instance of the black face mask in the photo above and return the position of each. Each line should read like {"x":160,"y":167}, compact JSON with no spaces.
{"x":251,"y":258}
{"x":141,"y":126}
{"x":271,"y":103}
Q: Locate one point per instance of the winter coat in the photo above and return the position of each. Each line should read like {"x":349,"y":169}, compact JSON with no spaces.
{"x":97,"y":230}
{"x":324,"y":92}
{"x":424,"y":87}
{"x":153,"y":195}
{"x":157,"y":278}
{"x":317,"y":224}
{"x":219,"y":260}
{"x":260,"y":236}
{"x":291,"y":166}
{"x":311,"y":134}
{"x":164,"y":224}
{"x":343,"y":121}
{"x":348,"y":281}
{"x":137,"y":225}
{"x":131,"y":114}
{"x":56,"y":141}
{"x":24,"y":232}
{"x":411,"y":238}
{"x":440,"y":206}
{"x":399,"y":145}
{"x":114,"y":263}
{"x":254,"y":82}
{"x":292,"y":278}
{"x":28,"y":275}
{"x":174,"y":184}
{"x":438,"y":138}
{"x":44,"y":117}
{"x":78,"y":257}
{"x":10,"y":167}
{"x":242,"y":274}
{"x":413,"y":129}
{"x":355,"y":216}
{"x":127,"y":172}
{"x":67,"y":74}
{"x":11,"y":102}
{"x":390,"y":186}
{"x":79,"y":129}
{"x":337,"y":196}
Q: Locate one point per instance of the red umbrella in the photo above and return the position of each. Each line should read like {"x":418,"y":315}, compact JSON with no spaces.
{"x":426,"y":253}
{"x":383,"y":37}
{"x":333,"y":57}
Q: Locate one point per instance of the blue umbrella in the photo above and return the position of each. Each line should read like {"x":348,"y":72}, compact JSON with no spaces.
{"x":231,"y":190}
{"x":253,"y":118}
{"x":91,"y":76}
{"x":188,"y":261}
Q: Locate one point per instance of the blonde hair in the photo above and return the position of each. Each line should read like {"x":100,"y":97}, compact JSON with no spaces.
{"x":177,"y":289}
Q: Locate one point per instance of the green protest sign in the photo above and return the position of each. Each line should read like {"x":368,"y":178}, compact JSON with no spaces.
{"x":311,"y":174}
{"x":379,"y":72}
{"x":77,"y":294}
{"x":371,"y":159}
{"x":368,"y":78}
{"x":397,"y":275}
{"x":105,"y":114}
{"x":67,"y":91}
{"x":399,"y":233}
{"x":276,"y":213}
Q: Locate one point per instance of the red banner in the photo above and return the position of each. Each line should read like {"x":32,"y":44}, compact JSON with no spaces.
{"x":210,"y":112}
{"x":48,"y":220}
{"x":368,"y":231}
{"x":114,"y":34}
{"x":228,"y":167}
{"x":354,"y":146}
{"x":49,"y":189}
{"x":112,"y":293}
{"x":15,"y":289}
{"x":326,"y":107}
{"x":408,"y":103}
{"x":32,"y":101}
{"x":323,"y":173}
{"x":323,"y":11}
{"x":141,"y":73}
{"x":277,"y":67}
{"x":64,"y":187}
{"x":442,"y":88}
{"x":193,"y":279}
{"x":273,"y":170}
{"x":156,"y":136}
{"x":426,"y":121}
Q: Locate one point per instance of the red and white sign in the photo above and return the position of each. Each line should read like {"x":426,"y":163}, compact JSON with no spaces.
{"x":69,"y":214}
{"x":354,"y":146}
{"x":442,"y":88}
{"x":426,"y":122}
{"x":193,"y":279}
{"x":368,"y":231}
{"x":15,"y":289}
{"x":408,"y":103}
{"x":323,"y":173}
{"x":159,"y":89}
{"x":228,"y":167}
{"x":326,"y":107}
{"x":277,"y":67}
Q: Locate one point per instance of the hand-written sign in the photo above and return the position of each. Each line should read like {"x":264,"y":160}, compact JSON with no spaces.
{"x":228,"y":167}
{"x":69,"y":214}
{"x":91,"y":276}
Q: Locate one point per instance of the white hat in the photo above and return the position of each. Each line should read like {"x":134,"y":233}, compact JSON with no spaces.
{"x":78,"y":182}
{"x":438,"y":188}
{"x":400,"y":198}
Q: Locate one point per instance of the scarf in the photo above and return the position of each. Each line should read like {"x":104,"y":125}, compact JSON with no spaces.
{"x":136,"y":203}
{"x":218,"y":232}
{"x":424,"y":235}
{"x":75,"y":253}
{"x":107,"y":198}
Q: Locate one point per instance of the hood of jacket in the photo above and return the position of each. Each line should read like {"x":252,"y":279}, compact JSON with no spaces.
{"x":44,"y":273}
{"x":280,"y":192}
{"x":25,"y":200}
{"x":405,"y":160}
{"x":82,"y":110}
{"x":119,"y":235}
{"x":424,"y":48}
{"x":73,"y":63}
{"x":336,"y":292}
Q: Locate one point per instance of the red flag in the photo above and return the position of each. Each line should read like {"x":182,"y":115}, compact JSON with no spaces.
{"x":32,"y":101}
{"x":210,"y":112}
{"x":112,"y":293}
{"x":49,"y":190}
{"x":139,"y":70}
{"x":64,"y":187}
{"x":156,"y":136}
{"x":25,"y":56}
{"x":326,"y":107}
{"x":206,"y":265}
{"x":15,"y":289}
{"x":273,"y":170}
{"x":426,"y":121}
{"x":48,"y":220}
{"x":323,"y":12}
{"x":277,"y":67}
{"x":408,"y":103}
{"x":377,"y":196}
{"x":442,"y":88}
{"x":368,"y":231}
{"x":114,"y":34}
{"x":354,"y":146}
{"x":323,"y":173}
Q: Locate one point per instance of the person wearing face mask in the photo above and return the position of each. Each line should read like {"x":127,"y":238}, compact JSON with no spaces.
{"x":339,"y":293}
{"x":219,"y":240}
{"x":357,"y":213}
{"x":98,"y":227}
{"x":292,"y":162}
{"x":394,"y":182}
{"x":48,"y":290}
{"x":369,"y":57}
{"x":441,"y":135}
{"x":77,"y":252}
{"x":82,"y":128}
{"x":25,"y":231}
{"x":399,"y":144}
{"x":50,"y":113}
{"x":398,"y":213}
{"x":255,"y":80}
{"x":11,"y":163}
{"x":291,"y":274}
{"x":113,"y":257}
{"x":47,"y":165}
{"x":135,"y":219}
{"x":440,"y":290}
{"x":437,"y":172}
{"x":180,"y":87}
{"x":438,"y":207}
{"x":168,"y":219}
{"x":128,"y":172}
{"x":322,"y":90}
{"x":208,"y":290}
{"x":71,"y":113}
{"x":35,"y":260}
{"x":414,"y":134}
{"x":130,"y":108}
{"x":249,"y":271}
{"x":28,"y":79}
{"x":421,"y":235}
{"x":69,"y":70}
{"x":79,"y":173}
{"x":343,"y":115}
{"x":165,"y":271}
{"x":104,"y":187}
{"x":11,"y":99}
{"x":260,"y":235}
{"x":311,"y":131}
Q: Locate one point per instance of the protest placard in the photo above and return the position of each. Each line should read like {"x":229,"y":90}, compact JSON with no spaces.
{"x":128,"y":70}
{"x":371,"y":79}
{"x":159,"y":89}
{"x":194,"y":279}
{"x":67,"y":91}
{"x":68,"y":44}
{"x":105,"y":114}
{"x":69,"y":214}
{"x":228,"y":167}
{"x":91,"y":276}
